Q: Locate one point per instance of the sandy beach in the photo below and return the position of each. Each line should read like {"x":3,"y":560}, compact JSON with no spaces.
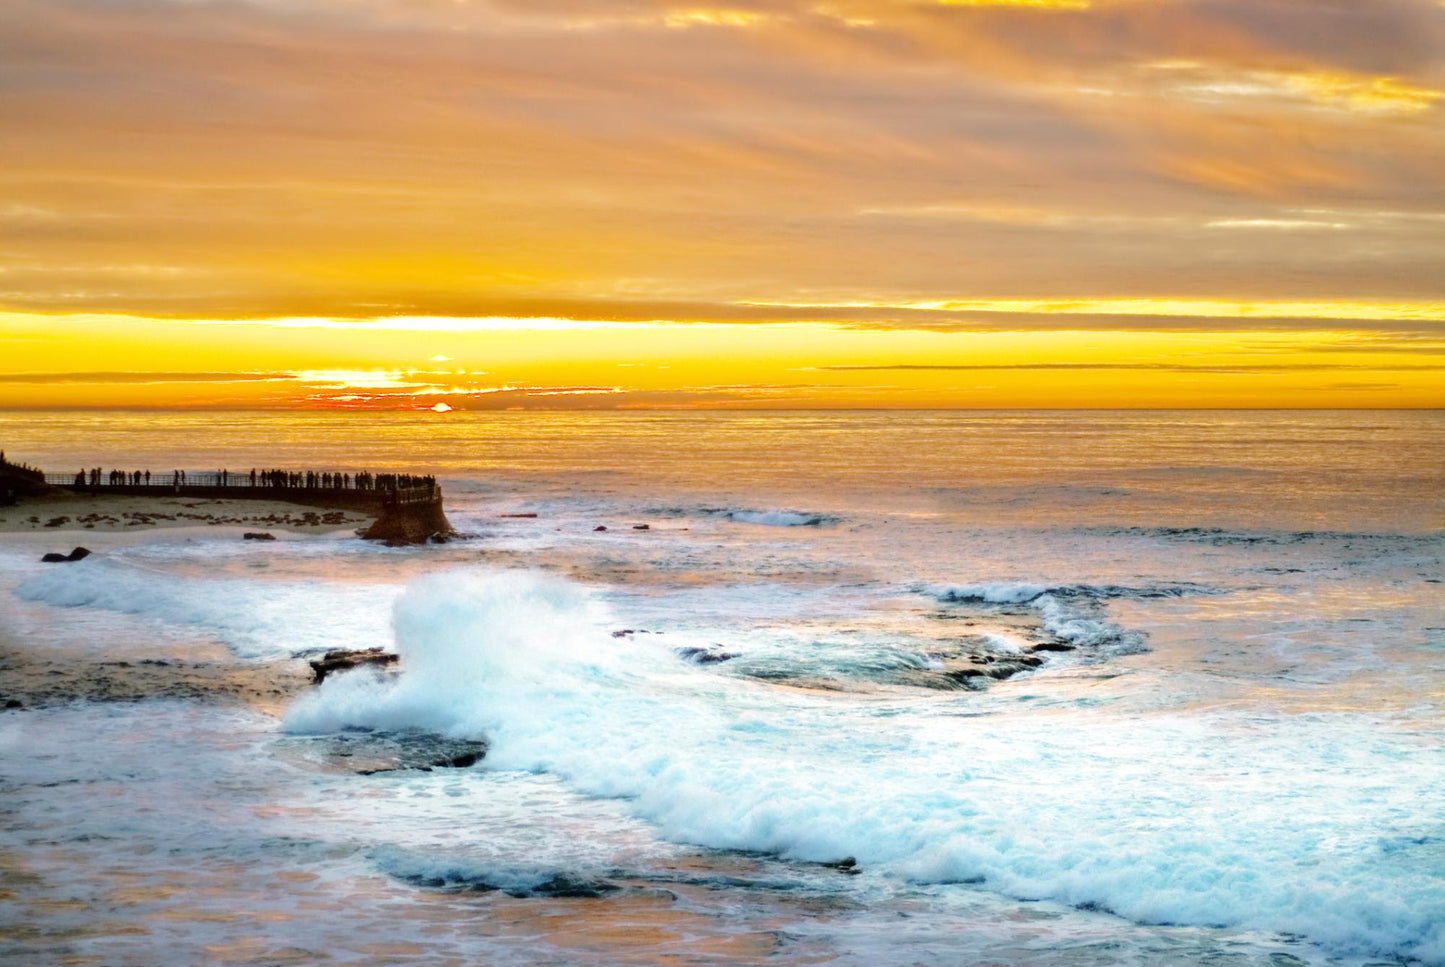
{"x":105,"y":513}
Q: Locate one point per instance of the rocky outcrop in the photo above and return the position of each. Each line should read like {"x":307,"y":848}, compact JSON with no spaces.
{"x":411,"y":521}
{"x":705,"y":656}
{"x":340,"y":661}
{"x":367,"y":753}
{"x":79,"y":554}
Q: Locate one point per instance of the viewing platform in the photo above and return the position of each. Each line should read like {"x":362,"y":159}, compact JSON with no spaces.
{"x":408,"y":507}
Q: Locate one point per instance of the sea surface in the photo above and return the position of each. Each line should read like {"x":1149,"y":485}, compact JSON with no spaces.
{"x":867,"y":688}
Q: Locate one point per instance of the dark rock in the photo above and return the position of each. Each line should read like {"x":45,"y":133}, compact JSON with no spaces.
{"x":599,"y":528}
{"x":14,"y":703}
{"x":563,"y":885}
{"x":1007,"y":669}
{"x":704,"y":656}
{"x":519,"y":516}
{"x":79,"y":554}
{"x":370,"y":753}
{"x":340,"y":661}
{"x":258,"y":536}
{"x":847,"y":864}
{"x":402,"y":524}
{"x":57,"y":521}
{"x":559,"y":885}
{"x":1052,"y":646}
{"x":642,"y":527}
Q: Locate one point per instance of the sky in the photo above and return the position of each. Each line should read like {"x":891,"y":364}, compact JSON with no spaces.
{"x":491,"y":204}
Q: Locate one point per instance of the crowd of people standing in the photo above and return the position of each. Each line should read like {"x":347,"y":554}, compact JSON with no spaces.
{"x":276,"y":479}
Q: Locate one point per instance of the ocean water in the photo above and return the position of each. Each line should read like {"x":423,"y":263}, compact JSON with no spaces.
{"x":874,"y":688}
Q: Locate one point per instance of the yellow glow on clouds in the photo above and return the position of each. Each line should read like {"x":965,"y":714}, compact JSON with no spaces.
{"x":90,"y":361}
{"x":1162,"y":308}
{"x":1035,"y":4}
{"x":713,"y":17}
{"x":1341,"y":90}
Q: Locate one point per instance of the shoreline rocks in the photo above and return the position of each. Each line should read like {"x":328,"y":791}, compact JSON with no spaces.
{"x":79,"y":554}
{"x":368,"y":753}
{"x":340,"y":661}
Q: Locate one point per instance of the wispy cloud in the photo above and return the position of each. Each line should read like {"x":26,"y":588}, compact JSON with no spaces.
{"x":524,"y":167}
{"x":1124,"y":366}
{"x":141,"y":378}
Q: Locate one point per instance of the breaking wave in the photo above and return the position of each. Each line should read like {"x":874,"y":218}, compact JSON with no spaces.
{"x":779,"y":518}
{"x":1159,"y":818}
{"x":1068,"y":613}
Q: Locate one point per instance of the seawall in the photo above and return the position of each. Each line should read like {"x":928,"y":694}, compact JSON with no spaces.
{"x":411,"y":519}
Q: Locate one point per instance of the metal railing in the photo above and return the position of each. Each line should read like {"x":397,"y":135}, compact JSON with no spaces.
{"x":409,"y":487}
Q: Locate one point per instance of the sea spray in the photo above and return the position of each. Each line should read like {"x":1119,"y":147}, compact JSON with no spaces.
{"x":1198,"y":819}
{"x":473,"y":646}
{"x":253,"y":618}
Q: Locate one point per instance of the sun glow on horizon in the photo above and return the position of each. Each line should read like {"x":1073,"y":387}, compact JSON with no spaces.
{"x":874,"y":203}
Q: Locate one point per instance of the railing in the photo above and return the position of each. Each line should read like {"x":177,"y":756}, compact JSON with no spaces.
{"x":402,"y":497}
{"x":407,"y":488}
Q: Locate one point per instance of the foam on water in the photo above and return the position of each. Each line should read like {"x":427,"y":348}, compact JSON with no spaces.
{"x":1060,"y":612}
{"x":255,"y":619}
{"x":778,"y":518}
{"x":1325,"y":825}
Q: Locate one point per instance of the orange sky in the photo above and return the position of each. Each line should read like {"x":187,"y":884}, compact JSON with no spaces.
{"x":639,"y":203}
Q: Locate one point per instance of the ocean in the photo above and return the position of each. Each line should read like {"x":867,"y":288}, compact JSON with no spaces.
{"x":1048,"y":688}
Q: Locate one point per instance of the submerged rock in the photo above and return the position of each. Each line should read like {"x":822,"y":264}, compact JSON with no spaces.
{"x":563,"y":885}
{"x":704,"y":656}
{"x":462,"y":880}
{"x":368,"y":753}
{"x":79,"y":554}
{"x":258,"y":536}
{"x":340,"y":661}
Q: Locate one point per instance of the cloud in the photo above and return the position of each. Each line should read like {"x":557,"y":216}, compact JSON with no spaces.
{"x":861,"y":164}
{"x":1157,"y":367}
{"x":140,"y":378}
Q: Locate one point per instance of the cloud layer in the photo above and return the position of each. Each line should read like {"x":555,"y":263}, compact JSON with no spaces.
{"x":880,"y":164}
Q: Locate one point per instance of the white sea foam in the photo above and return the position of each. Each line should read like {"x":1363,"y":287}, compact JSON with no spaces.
{"x":993,"y":592}
{"x":1320,"y":825}
{"x":778,"y":518}
{"x":254,"y":619}
{"x":1064,"y":611}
